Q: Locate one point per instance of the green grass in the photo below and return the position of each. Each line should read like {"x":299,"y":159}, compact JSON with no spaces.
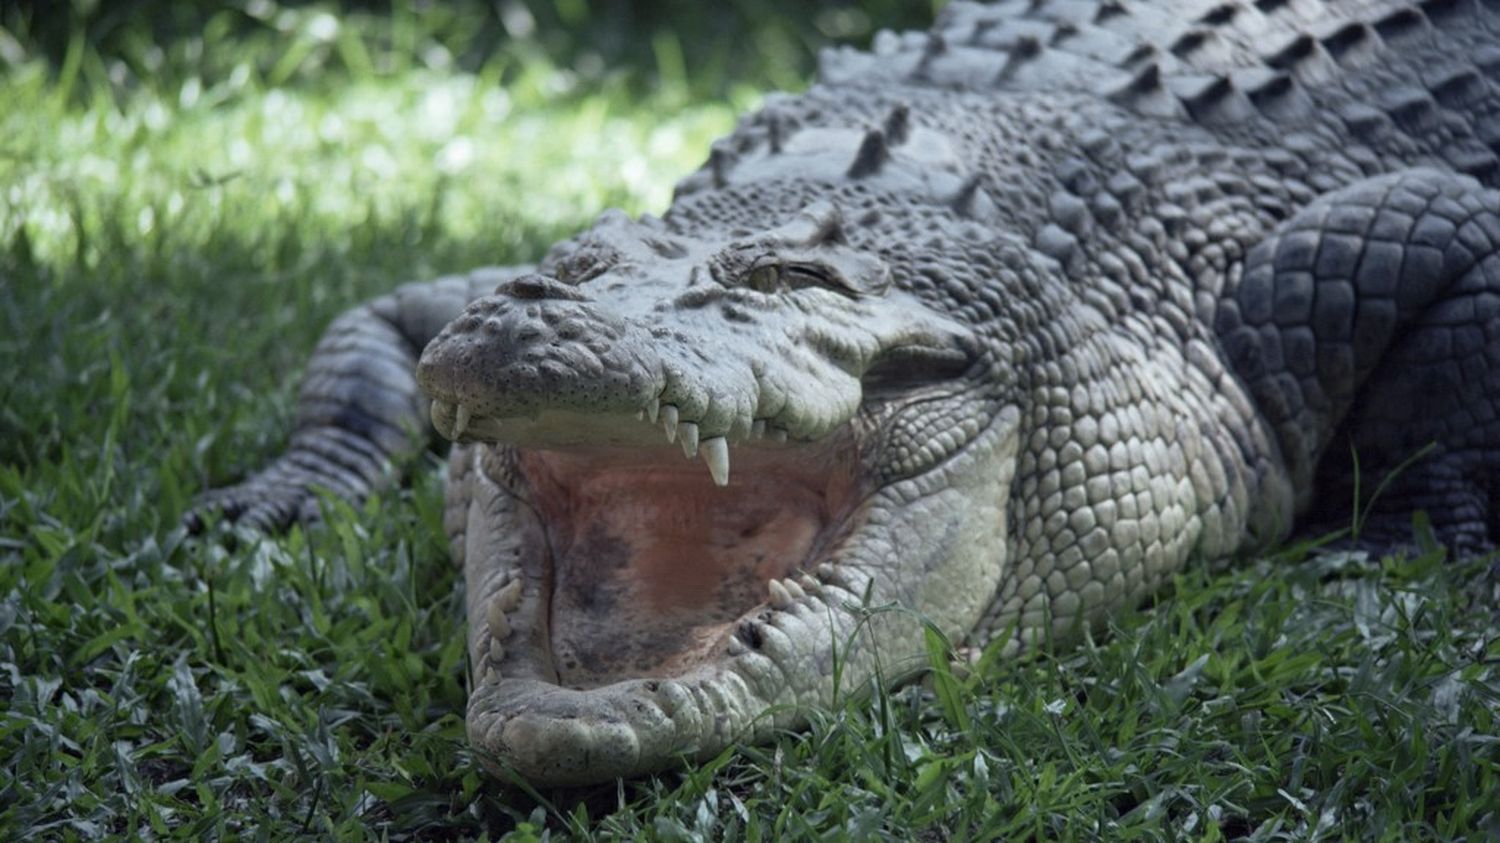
{"x":171,"y":244}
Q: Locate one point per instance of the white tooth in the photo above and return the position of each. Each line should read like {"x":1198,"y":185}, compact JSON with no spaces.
{"x":509,"y":597}
{"x":652,"y":409}
{"x":780,"y":597}
{"x":640,"y":414}
{"x":811,"y":585}
{"x":496,"y":653}
{"x":669,"y":421}
{"x":826,"y":571}
{"x":758,"y":429}
{"x":716,"y":454}
{"x":689,"y":433}
{"x":736,"y":646}
{"x":778,"y":435}
{"x":793,"y":588}
{"x":488,"y":675}
{"x":499,"y":623}
{"x":460,"y":420}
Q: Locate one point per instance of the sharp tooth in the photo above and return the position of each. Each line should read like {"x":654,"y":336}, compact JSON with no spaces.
{"x":778,"y":435}
{"x":793,"y":588}
{"x":640,"y":414}
{"x":811,"y":585}
{"x":652,"y":409}
{"x":489,"y":663}
{"x":780,"y":597}
{"x":758,"y":429}
{"x":509,"y":597}
{"x":716,"y":454}
{"x":499,"y":623}
{"x":826,"y":571}
{"x":689,"y":433}
{"x":460,"y":420}
{"x":736,"y":646}
{"x":669,"y":421}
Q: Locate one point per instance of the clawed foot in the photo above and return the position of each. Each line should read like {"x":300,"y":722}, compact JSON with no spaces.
{"x":267,"y":502}
{"x":291,"y":488}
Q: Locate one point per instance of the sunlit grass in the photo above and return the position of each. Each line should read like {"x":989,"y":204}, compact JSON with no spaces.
{"x":177,"y":224}
{"x":188,"y":159}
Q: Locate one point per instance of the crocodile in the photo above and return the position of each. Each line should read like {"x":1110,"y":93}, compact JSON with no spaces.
{"x":987,"y":333}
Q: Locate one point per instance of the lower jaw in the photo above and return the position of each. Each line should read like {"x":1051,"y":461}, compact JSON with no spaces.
{"x":563,"y":697}
{"x":933,"y":543}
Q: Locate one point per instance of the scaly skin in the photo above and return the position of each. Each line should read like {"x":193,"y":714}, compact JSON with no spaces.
{"x":993,"y":329}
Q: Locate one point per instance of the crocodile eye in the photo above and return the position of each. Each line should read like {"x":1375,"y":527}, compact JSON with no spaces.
{"x":811,"y":275}
{"x":775,"y":278}
{"x":764,"y":279}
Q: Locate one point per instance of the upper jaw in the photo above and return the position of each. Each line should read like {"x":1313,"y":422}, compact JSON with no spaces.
{"x":649,"y":428}
{"x":540,"y":363}
{"x":475,"y":373}
{"x":497,"y":376}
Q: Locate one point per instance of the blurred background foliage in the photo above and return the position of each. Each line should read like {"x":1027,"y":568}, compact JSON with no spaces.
{"x":684,"y":46}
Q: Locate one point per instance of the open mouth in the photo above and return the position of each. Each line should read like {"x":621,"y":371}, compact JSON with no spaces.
{"x":644,"y":564}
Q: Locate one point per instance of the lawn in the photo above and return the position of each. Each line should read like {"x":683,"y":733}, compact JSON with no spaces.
{"x":184,"y":205}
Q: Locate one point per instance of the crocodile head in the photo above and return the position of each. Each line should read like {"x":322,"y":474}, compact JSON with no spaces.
{"x":707,"y":469}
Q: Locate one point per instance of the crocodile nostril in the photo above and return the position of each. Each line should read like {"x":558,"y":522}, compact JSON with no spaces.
{"x":535,"y":287}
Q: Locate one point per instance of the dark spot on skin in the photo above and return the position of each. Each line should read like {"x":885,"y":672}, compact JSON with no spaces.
{"x":749,"y":633}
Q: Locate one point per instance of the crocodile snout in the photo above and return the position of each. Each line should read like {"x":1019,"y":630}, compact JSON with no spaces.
{"x":534,"y":337}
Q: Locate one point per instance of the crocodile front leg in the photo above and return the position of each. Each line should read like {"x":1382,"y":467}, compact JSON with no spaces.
{"x":1367,"y":328}
{"x":359,"y":411}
